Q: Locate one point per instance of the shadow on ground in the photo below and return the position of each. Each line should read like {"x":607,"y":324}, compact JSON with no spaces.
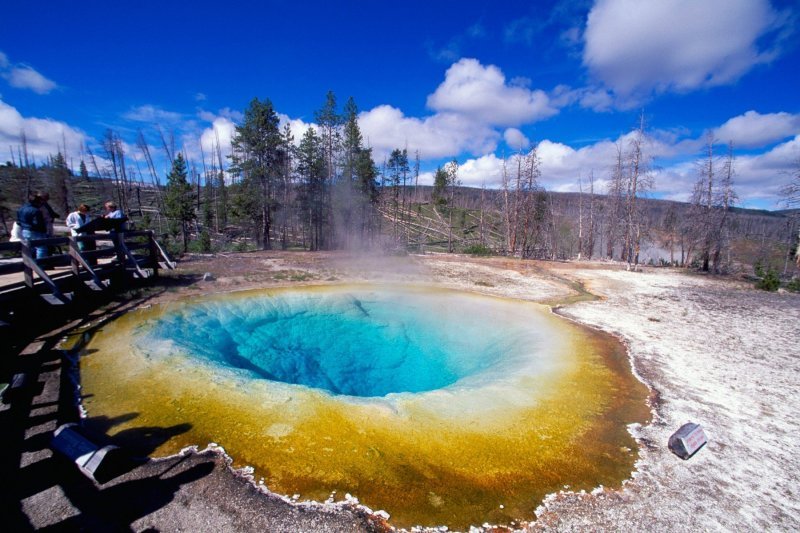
{"x":41,"y":489}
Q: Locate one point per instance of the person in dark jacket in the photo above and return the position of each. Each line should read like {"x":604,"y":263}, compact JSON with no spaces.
{"x":33,"y":224}
{"x":47,"y":212}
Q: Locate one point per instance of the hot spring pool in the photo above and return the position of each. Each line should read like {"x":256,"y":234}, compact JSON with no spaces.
{"x":441,"y":407}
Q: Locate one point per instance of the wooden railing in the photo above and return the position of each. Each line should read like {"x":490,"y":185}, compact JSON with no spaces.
{"x":93,"y":261}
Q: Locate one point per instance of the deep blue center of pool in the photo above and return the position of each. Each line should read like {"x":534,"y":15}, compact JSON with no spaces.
{"x":358,"y":343}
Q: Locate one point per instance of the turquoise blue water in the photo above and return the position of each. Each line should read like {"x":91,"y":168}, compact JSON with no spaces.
{"x":356,"y":342}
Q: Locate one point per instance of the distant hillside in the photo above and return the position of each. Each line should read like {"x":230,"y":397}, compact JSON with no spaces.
{"x":474,"y":221}
{"x":758,"y":235}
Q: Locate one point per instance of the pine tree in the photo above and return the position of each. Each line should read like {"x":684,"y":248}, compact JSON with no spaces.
{"x":439,"y":186}
{"x":286,"y":188}
{"x":61,"y":175}
{"x":351,"y":141}
{"x":329,"y":123}
{"x":397,"y":167}
{"x":257,"y":158}
{"x":311,"y":169}
{"x":207,"y":212}
{"x":178,"y":200}
{"x":359,"y":172}
{"x":367,"y":175}
{"x":84,"y":174}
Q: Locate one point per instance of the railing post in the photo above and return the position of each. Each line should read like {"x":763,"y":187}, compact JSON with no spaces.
{"x":151,"y":241}
{"x":73,"y":256}
{"x":27,"y":271}
{"x":116,"y":238}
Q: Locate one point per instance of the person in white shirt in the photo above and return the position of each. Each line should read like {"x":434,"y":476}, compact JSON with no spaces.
{"x":76,"y":219}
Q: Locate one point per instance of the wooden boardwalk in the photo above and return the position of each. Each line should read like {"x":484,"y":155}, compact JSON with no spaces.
{"x":70,"y":272}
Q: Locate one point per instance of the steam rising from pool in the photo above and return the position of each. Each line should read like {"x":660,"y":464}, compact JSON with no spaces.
{"x":442,"y":407}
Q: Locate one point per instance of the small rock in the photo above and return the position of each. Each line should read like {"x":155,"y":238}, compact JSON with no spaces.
{"x":208,"y":276}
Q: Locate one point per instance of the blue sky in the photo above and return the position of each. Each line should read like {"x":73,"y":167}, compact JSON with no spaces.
{"x":474,"y":81}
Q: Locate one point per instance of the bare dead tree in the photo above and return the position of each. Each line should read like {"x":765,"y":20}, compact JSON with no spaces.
{"x":169,"y":147}
{"x":107,"y":192}
{"x":712,"y":198}
{"x":23,"y":138}
{"x":590,"y":237}
{"x":416,"y":176}
{"x":515,"y":237}
{"x":208,"y":182}
{"x":506,"y":209}
{"x":586,"y":238}
{"x":580,"y":218}
{"x":452,"y":182}
{"x":639,"y":181}
{"x":725,"y":198}
{"x":669,"y":228}
{"x":791,"y":199}
{"x":94,"y":162}
{"x":116,"y":157}
{"x":151,"y":168}
{"x":221,"y":207}
{"x":615,"y":200}
{"x":141,"y":143}
{"x":702,"y":202}
{"x":530,"y":171}
{"x":481,"y":238}
{"x":791,"y":190}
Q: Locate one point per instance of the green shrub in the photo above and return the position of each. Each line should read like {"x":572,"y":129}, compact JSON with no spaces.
{"x":758,"y":269}
{"x":243,"y":246}
{"x":770,"y":281}
{"x":174,"y":247}
{"x":794,"y":285}
{"x":478,"y":249}
{"x":202,"y":244}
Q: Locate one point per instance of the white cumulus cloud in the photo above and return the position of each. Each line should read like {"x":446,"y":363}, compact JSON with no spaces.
{"x":637,"y":47}
{"x":441,"y":135}
{"x":218,"y":135}
{"x":44,"y":136}
{"x":754,"y":130}
{"x":481,"y":93}
{"x":757,"y":178}
{"x":485,"y":171}
{"x":562,"y":165}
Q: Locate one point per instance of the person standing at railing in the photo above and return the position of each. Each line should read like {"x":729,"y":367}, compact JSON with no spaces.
{"x":75,"y":220}
{"x":112,"y":212}
{"x":48,"y":213}
{"x":31,"y":219}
